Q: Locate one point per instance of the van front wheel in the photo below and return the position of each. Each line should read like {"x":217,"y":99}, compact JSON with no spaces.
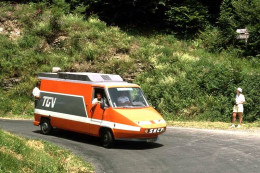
{"x":107,"y":139}
{"x":45,"y":126}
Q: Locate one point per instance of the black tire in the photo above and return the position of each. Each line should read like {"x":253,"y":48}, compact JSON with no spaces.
{"x":45,"y":126}
{"x":107,"y":139}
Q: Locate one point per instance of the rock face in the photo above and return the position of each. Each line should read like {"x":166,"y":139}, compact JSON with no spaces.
{"x":92,"y":66}
{"x":10,"y":27}
{"x":9,"y":83}
{"x":130,"y":77}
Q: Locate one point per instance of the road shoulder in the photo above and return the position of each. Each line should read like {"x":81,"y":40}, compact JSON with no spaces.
{"x":236,"y":132}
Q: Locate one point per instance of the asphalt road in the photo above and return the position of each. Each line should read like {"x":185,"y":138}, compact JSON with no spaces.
{"x":179,"y":150}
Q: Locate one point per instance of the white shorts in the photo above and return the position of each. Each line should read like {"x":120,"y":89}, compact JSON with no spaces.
{"x":238,"y":108}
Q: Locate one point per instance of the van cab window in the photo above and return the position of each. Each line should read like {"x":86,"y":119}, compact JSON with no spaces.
{"x":127,"y":97}
{"x":98,"y":95}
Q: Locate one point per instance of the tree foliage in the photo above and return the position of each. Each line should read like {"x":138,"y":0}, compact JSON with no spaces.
{"x":237,"y":14}
{"x":186,"y":17}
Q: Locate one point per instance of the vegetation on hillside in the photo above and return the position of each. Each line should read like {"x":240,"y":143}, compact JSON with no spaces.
{"x":188,"y":83}
{"x":22,"y":155}
{"x":181,"y":78}
{"x":184,"y":18}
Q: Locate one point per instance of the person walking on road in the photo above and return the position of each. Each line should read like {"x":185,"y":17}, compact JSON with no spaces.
{"x":238,"y":108}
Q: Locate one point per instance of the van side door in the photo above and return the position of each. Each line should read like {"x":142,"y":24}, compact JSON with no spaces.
{"x":97,"y":113}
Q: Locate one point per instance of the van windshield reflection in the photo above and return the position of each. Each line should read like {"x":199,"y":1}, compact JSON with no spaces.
{"x":127,"y":97}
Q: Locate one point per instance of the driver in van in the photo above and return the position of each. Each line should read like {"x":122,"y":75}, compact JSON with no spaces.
{"x":123,"y":100}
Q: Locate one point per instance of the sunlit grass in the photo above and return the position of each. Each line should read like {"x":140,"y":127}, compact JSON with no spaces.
{"x":18,"y":154}
{"x":16,"y":117}
{"x":214,"y":125}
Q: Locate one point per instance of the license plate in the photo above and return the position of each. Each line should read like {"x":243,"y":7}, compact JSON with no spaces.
{"x":157,"y":130}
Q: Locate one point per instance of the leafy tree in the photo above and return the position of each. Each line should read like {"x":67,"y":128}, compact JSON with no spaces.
{"x":125,"y":11}
{"x":186,"y":17}
{"x":213,"y":7}
{"x":237,"y":14}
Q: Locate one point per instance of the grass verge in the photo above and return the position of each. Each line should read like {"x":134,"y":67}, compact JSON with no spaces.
{"x":18,"y":154}
{"x":193,"y":124}
{"x":16,"y":117}
{"x":213,"y":125}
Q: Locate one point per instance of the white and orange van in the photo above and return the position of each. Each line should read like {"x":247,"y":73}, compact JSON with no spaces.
{"x":66,"y":102}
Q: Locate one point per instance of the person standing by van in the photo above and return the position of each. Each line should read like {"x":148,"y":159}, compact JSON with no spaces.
{"x":36,"y":93}
{"x":238,"y":108}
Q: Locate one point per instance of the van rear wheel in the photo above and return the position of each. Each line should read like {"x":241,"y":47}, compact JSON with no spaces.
{"x":45,"y":126}
{"x":107,"y":139}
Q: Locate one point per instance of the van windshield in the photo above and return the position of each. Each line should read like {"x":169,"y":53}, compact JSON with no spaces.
{"x":127,"y":97}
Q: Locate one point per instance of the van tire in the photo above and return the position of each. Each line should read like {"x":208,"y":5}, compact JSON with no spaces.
{"x":107,"y":139}
{"x":45,"y":126}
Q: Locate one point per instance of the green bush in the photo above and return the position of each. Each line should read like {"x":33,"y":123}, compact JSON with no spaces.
{"x":201,"y":89}
{"x":211,"y":39}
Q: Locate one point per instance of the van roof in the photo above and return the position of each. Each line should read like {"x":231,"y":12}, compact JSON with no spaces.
{"x":116,"y":84}
{"x":83,"y":76}
{"x":107,"y":80}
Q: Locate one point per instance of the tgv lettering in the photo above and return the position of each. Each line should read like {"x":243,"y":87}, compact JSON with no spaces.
{"x":49,"y":101}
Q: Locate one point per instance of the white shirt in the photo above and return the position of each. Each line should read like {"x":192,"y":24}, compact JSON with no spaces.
{"x":96,"y":101}
{"x":36,"y":92}
{"x":122,"y":99}
{"x":240,"y":99}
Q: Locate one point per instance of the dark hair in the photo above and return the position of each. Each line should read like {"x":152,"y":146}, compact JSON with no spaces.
{"x":38,"y":83}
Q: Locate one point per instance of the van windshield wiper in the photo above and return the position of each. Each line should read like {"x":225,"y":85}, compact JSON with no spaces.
{"x":128,"y":106}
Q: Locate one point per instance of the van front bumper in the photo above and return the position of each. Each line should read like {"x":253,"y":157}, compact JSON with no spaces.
{"x":142,"y":135}
{"x":139,"y":139}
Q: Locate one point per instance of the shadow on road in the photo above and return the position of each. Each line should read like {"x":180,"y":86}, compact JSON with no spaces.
{"x":95,"y":141}
{"x":130,"y":145}
{"x":73,"y":136}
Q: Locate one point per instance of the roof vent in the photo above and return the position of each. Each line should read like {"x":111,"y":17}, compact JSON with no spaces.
{"x":105,"y":77}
